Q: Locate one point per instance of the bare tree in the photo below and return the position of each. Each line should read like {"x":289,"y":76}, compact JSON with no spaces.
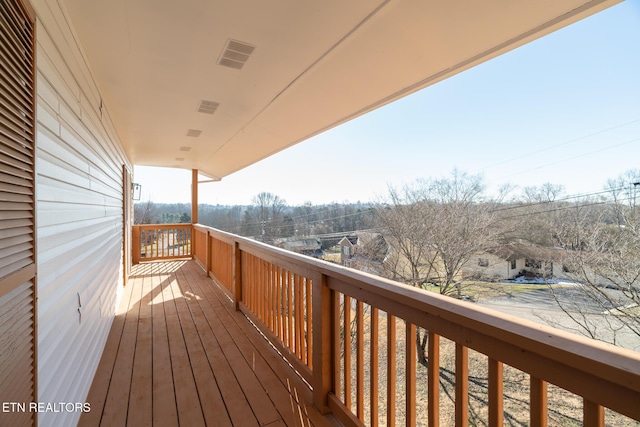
{"x":434,"y":228}
{"x":602,"y":247}
{"x":268,"y":215}
{"x":462,"y":223}
{"x":145,"y":213}
{"x":532,"y":218}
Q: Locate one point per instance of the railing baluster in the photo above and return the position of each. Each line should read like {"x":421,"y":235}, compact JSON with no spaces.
{"x":237,"y":280}
{"x":496,"y":393}
{"x":278,"y":306}
{"x":411,"y":374}
{"x":538,"y":406}
{"x":391,"y":370}
{"x":462,"y":386}
{"x":593,"y":414}
{"x":298,"y":315}
{"x":290,"y":338}
{"x":347,"y":351}
{"x":433,"y":377}
{"x":256,"y":284}
{"x":264,"y":289}
{"x":373,"y":381}
{"x":259,"y":284}
{"x":272,"y":293}
{"x":309,"y":314}
{"x":250,"y":282}
{"x":360,"y":360}
{"x":337,"y":342}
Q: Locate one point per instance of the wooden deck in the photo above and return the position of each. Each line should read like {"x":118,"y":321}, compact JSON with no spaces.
{"x":178,"y":354}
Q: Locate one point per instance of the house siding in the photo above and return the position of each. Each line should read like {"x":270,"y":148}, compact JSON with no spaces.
{"x":79,"y":214}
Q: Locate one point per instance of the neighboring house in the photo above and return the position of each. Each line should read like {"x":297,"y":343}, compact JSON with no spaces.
{"x":308,"y":246}
{"x":88,"y":89}
{"x":516,"y":259}
{"x":363,"y":251}
{"x":347,"y":249}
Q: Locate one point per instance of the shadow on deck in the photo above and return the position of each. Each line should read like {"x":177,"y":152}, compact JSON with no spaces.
{"x":179,"y":354}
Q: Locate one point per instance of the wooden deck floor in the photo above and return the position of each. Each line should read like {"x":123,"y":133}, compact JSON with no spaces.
{"x":179,"y":355}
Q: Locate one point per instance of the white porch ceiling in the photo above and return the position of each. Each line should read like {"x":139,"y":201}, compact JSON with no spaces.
{"x":315,"y":65}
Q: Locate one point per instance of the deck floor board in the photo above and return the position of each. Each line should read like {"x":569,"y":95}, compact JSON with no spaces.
{"x":178,"y":354}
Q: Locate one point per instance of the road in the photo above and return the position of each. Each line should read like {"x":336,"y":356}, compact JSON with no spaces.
{"x":540,"y":306}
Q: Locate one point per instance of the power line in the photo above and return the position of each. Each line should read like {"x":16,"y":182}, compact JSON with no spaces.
{"x":602,"y":202}
{"x":569,"y":158}
{"x":564,"y":199}
{"x":526,"y":155}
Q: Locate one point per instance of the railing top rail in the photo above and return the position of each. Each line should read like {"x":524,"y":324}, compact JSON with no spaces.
{"x":599,"y":358}
{"x":156,"y":226}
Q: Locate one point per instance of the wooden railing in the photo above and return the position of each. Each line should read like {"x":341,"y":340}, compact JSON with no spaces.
{"x":161,"y":241}
{"x":353,"y":337}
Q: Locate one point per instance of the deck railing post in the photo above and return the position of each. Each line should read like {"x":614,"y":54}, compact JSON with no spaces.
{"x":237,"y":275}
{"x":135,"y":244}
{"x":322,"y":380}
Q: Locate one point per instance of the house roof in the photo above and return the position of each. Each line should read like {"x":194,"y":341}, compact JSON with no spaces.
{"x":515,"y":251}
{"x":351,"y":240}
{"x":275,"y":73}
{"x":300,"y":244}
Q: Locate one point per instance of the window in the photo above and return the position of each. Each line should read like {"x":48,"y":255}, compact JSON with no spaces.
{"x":530,"y":263}
{"x":483,"y":262}
{"x":513,"y":264}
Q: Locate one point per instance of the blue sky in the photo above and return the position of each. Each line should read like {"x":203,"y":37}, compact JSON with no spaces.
{"x":563,"y":109}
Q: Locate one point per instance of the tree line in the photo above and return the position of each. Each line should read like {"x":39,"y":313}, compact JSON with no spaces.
{"x":267,"y":219}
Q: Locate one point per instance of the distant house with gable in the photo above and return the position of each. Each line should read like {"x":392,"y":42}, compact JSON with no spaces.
{"x":517,"y":259}
{"x":363,"y":250}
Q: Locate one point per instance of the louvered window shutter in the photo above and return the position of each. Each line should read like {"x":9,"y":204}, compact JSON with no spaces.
{"x":17,"y":207}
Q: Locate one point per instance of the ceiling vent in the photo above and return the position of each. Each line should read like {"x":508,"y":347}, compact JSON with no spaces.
{"x":185,"y":148}
{"x":235,"y":54}
{"x":194,"y":132}
{"x":208,"y":107}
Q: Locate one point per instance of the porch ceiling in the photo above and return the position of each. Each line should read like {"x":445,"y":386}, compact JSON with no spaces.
{"x":315,"y":65}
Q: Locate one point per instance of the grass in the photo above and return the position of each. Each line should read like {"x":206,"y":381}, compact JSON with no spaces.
{"x":475,"y":289}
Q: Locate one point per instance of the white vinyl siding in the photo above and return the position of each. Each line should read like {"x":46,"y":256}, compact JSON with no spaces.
{"x":79,"y":185}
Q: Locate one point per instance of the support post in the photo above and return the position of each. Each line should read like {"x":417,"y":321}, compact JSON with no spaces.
{"x":322,"y":343}
{"x":194,"y":211}
{"x":194,"y":196}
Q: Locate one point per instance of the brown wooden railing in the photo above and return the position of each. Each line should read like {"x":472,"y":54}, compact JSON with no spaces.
{"x":353,"y":337}
{"x":161,"y":241}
